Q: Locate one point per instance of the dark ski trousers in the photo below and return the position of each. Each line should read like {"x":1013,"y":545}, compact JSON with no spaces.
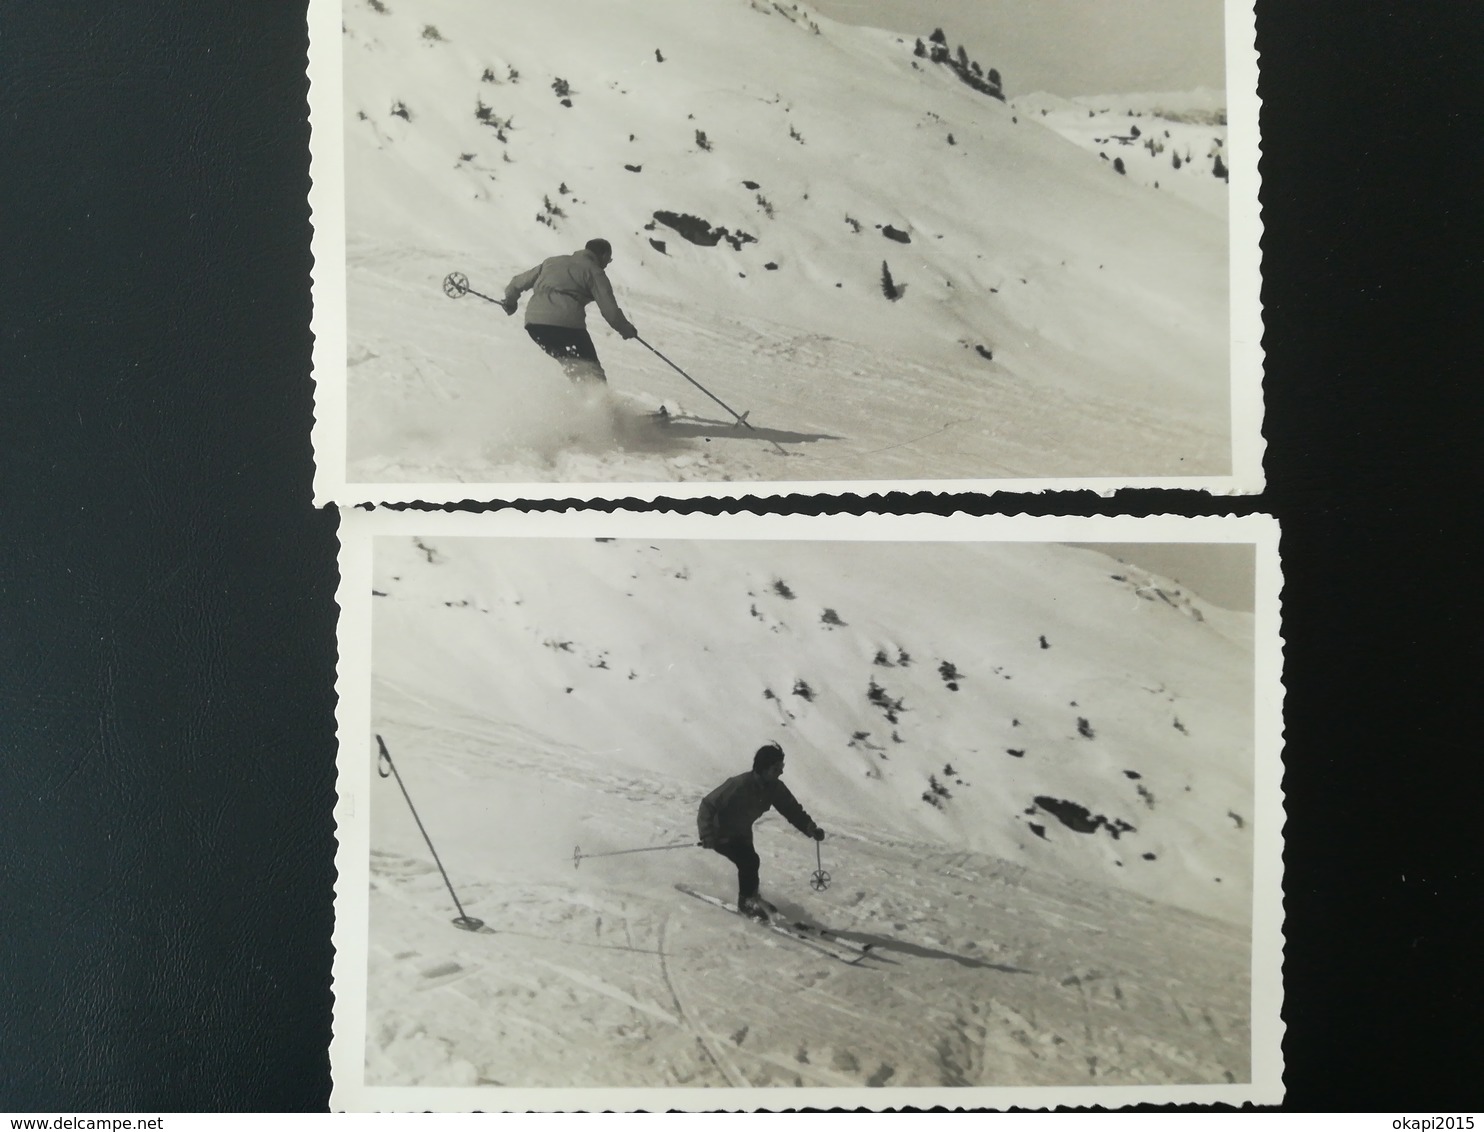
{"x":744,"y":856}
{"x":572,"y":347}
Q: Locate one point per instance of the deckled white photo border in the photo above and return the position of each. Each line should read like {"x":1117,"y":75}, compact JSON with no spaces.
{"x":327,"y":206}
{"x":355,"y":767}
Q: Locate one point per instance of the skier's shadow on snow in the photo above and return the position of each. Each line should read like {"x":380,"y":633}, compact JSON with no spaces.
{"x":883,"y":943}
{"x":685,"y":425}
{"x":880,"y":943}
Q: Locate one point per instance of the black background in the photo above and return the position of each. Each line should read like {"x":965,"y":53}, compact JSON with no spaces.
{"x":167,"y":623}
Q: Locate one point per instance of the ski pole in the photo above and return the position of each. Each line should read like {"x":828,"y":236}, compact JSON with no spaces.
{"x":456,"y":286}
{"x":741,"y":417}
{"x":821,"y":879}
{"x":468,"y":923}
{"x":578,"y":854}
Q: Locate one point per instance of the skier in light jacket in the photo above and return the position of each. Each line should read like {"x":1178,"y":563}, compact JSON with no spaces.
{"x":561,"y":287}
{"x":727,"y":814}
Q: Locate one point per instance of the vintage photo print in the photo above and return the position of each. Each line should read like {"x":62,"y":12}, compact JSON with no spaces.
{"x":697,"y":812}
{"x":587,"y":250}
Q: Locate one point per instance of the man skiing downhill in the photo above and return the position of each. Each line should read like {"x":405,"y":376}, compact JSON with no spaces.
{"x":561,"y":287}
{"x":726,"y":816}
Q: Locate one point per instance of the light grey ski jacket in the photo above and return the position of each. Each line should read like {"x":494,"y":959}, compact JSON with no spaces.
{"x":561,"y":287}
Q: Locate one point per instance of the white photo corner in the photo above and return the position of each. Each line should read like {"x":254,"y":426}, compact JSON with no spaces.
{"x":589,"y":250}
{"x":1002,"y":796}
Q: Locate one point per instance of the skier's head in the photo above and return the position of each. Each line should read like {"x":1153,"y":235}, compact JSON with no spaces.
{"x":602,"y":249}
{"x":768,"y":760}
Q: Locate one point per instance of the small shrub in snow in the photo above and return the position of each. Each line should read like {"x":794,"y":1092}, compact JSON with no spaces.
{"x":780,"y":587}
{"x":1146,"y":795}
{"x":855,"y":224}
{"x":658,"y":58}
{"x":896,"y":234}
{"x":1219,"y":169}
{"x":562,"y":87}
{"x":1084,"y":728}
{"x":888,"y":284}
{"x":399,"y":109}
{"x":798,"y":137}
{"x":889,"y":707}
{"x":803,"y":691}
{"x":950,"y":673}
{"x":919,"y":49}
{"x":904,"y":658}
{"x":951,"y":141}
{"x":830,"y":617}
{"x":882,"y":660}
{"x":430,"y":33}
{"x":1180,"y":727}
{"x":512,"y":74}
{"x":702,"y":141}
{"x":377,"y":6}
{"x":766,"y":205}
{"x":1044,"y":645}
{"x":488,"y":76}
{"x":1118,"y":165}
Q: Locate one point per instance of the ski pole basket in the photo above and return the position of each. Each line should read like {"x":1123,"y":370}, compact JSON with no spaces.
{"x":821,"y":879}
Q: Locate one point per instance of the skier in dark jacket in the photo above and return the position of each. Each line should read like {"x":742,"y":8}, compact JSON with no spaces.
{"x":556,"y":319}
{"x":726,"y":815}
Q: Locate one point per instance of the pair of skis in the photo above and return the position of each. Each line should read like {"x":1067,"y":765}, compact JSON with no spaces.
{"x":817,"y":939}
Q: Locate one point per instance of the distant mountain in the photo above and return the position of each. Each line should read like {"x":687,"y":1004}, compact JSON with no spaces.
{"x":1172,"y":142}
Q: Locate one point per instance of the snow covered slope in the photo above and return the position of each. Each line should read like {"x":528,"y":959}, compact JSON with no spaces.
{"x":1175,"y":143}
{"x":1049,"y":318}
{"x":1034,"y":764}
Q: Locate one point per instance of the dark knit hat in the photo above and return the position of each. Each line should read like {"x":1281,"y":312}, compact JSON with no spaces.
{"x":600,"y":247}
{"x":770,"y":754}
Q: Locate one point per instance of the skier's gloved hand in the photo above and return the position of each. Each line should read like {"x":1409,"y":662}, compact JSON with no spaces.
{"x":707,"y":842}
{"x":818,"y":834}
{"x":628,"y":331}
{"x":510,"y":306}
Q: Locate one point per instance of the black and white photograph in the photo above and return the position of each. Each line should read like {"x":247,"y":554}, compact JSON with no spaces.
{"x":717,"y":247}
{"x":665,"y":811}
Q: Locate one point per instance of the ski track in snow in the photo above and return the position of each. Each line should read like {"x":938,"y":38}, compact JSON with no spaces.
{"x":837,"y":409}
{"x":987,"y":974}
